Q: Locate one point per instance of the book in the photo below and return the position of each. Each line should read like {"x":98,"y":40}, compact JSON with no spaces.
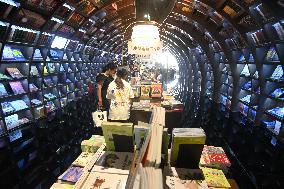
{"x":71,"y":175}
{"x":37,"y":55}
{"x":33,"y":87}
{"x":245,"y":71}
{"x":12,"y":121}
{"x":14,"y":73}
{"x":7,"y":107}
{"x":105,"y":180}
{"x":15,"y":135}
{"x":215,"y":178}
{"x":34,"y":71}
{"x":145,"y":90}
{"x":272,"y":55}
{"x":7,"y":53}
{"x":114,"y":162}
{"x":277,"y":112}
{"x":279,"y":30}
{"x":49,"y":96}
{"x":156,"y":90}
{"x":187,"y":146}
{"x":36,"y":102}
{"x":246,"y":99}
{"x":19,"y":105}
{"x":17,"y":87}
{"x":93,"y":144}
{"x":51,"y":67}
{"x":118,"y":136}
{"x":278,"y":93}
{"x":83,"y":159}
{"x":3,"y":91}
{"x":214,"y":157}
{"x":150,"y":177}
{"x":140,"y":133}
{"x":278,"y":73}
{"x":62,"y":186}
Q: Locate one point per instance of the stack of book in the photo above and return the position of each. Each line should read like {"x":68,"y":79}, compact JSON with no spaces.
{"x":187,"y":146}
{"x":118,"y":136}
{"x":22,"y":34}
{"x":93,"y":144}
{"x":215,"y":178}
{"x":214,"y":157}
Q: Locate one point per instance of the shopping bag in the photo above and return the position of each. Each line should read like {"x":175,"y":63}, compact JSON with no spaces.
{"x":99,"y":117}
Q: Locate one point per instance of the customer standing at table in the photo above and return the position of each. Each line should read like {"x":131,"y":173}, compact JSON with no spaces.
{"x":103,"y":81}
{"x":119,"y":94}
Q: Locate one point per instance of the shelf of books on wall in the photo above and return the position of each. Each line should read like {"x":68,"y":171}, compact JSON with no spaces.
{"x":248,"y":106}
{"x":209,"y":79}
{"x":261,"y":14}
{"x":272,"y":69}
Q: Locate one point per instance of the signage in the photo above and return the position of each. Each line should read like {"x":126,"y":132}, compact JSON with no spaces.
{"x":142,"y":56}
{"x":134,"y":48}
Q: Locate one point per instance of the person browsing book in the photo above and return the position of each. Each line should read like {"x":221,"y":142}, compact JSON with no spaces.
{"x":120,"y":94}
{"x":103,"y":81}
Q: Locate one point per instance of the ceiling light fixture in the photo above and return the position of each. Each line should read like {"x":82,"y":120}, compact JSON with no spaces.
{"x":145,"y":33}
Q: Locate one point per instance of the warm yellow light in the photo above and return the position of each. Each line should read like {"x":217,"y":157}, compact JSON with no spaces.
{"x":145,"y":34}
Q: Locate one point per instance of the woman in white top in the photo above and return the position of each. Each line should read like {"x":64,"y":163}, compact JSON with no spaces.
{"x":120,"y":93}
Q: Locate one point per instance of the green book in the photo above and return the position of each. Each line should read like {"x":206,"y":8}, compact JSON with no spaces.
{"x":118,"y":136}
{"x":93,"y":144}
{"x":187,"y":146}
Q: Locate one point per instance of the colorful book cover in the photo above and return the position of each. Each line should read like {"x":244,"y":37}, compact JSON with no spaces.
{"x":7,"y":107}
{"x":12,"y":121}
{"x":14,"y":73}
{"x":114,"y":162}
{"x":62,"y":186}
{"x":83,"y":159}
{"x":105,"y":180}
{"x":72,"y":174}
{"x":157,"y":90}
{"x":18,"y":54}
{"x":136,"y":91}
{"x":118,"y":136}
{"x":17,"y":87}
{"x":272,"y":55}
{"x":93,"y":144}
{"x":51,"y":67}
{"x":3,"y":91}
{"x":190,"y":140}
{"x":7,"y":53}
{"x":145,"y":90}
{"x":215,"y":178}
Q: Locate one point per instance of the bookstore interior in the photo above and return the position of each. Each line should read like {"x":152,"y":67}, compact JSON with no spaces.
{"x":205,"y":83}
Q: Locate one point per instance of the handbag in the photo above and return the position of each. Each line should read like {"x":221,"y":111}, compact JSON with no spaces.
{"x":99,"y":117}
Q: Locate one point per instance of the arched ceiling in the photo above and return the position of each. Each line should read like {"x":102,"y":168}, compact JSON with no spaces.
{"x":105,"y":26}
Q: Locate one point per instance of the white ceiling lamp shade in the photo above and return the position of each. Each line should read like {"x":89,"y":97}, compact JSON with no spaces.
{"x":145,"y":34}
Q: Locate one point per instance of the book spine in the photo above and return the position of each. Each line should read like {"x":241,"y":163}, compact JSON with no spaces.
{"x":260,"y":12}
{"x":280,"y":31}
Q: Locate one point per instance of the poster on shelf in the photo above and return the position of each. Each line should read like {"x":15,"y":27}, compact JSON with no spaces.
{"x":157,"y":90}
{"x":144,"y":50}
